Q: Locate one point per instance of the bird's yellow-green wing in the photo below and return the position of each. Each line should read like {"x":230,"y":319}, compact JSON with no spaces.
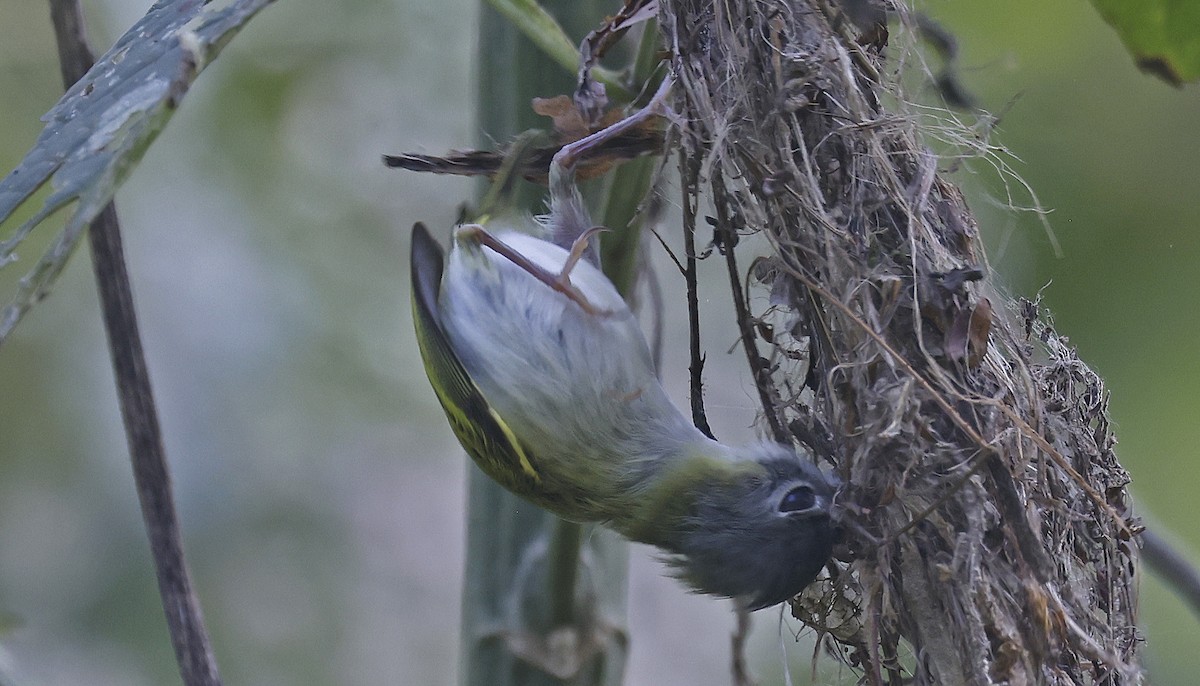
{"x":482,"y":432}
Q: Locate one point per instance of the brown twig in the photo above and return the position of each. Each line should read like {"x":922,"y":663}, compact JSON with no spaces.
{"x":193,"y":652}
{"x":758,"y":365}
{"x":741,"y":633}
{"x":689,"y":172}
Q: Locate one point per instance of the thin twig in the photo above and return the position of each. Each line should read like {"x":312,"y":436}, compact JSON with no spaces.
{"x":193,"y":652}
{"x":758,"y":366}
{"x":1171,"y":565}
{"x":741,"y":634}
{"x":689,"y":170}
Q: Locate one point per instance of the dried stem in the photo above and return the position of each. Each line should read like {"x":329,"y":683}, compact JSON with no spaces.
{"x":759,"y":368}
{"x":193,"y":652}
{"x":688,"y":168}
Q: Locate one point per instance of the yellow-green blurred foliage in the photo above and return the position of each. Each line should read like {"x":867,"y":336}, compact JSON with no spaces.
{"x":321,"y":491}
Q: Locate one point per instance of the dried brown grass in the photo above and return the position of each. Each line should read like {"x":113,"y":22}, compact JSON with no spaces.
{"x":990,"y":536}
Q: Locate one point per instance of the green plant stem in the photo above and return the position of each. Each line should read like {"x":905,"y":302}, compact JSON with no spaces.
{"x":620,"y":246}
{"x":524,"y":578}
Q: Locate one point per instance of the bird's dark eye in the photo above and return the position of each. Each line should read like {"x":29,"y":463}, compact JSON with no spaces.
{"x":798,"y":499}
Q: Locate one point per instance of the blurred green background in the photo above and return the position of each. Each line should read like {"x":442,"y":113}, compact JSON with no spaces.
{"x":320,"y":489}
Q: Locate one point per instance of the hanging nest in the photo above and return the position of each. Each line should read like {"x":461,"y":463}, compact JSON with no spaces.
{"x":989,"y":532}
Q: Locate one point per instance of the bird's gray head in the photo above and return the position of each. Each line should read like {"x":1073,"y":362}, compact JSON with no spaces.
{"x":761,"y":535}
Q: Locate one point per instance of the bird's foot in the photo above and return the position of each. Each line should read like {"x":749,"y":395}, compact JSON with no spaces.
{"x":578,"y":247}
{"x":560,"y":282}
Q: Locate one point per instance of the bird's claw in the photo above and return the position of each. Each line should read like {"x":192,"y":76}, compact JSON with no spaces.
{"x":560,"y":282}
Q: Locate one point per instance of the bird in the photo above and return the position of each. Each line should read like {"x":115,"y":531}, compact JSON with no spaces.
{"x":548,"y":383}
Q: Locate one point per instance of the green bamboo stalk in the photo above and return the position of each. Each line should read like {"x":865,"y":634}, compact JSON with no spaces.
{"x":619,"y":248}
{"x":529,"y":573}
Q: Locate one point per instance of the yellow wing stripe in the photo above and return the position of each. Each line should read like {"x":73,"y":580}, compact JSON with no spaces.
{"x":526,"y":465}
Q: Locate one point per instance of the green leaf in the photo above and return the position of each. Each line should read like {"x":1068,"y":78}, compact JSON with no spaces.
{"x":1162,"y":35}
{"x":543,"y":29}
{"x":99,"y":130}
